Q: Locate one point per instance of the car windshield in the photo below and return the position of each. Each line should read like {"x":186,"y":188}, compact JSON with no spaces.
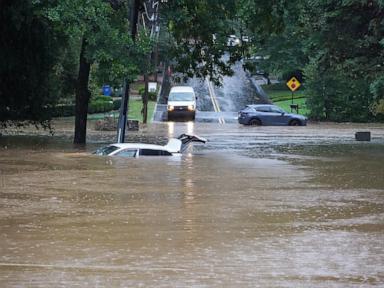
{"x":181,"y":96}
{"x":248,"y":108}
{"x":106,"y":150}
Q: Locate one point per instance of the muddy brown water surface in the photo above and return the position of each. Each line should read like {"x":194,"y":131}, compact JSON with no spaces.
{"x":253,"y":207}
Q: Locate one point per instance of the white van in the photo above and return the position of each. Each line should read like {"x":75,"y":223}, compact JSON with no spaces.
{"x":182,"y":102}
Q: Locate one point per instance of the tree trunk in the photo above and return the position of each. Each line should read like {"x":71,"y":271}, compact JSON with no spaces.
{"x":82,"y":97}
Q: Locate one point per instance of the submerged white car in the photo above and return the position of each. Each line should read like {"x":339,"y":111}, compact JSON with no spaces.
{"x":174,"y":147}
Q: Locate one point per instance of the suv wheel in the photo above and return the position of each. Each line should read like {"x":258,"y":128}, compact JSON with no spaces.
{"x":294,"y":122}
{"x":255,"y":122}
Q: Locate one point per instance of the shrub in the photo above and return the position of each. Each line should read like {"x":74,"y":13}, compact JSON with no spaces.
{"x":100,"y":107}
{"x":116,"y":104}
{"x":64,"y":110}
{"x":101,"y":99}
{"x":152,"y":96}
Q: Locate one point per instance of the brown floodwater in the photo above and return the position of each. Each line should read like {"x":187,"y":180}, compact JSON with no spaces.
{"x":253,"y":207}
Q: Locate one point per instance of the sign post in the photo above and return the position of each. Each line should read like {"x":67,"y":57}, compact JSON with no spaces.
{"x":293,"y":84}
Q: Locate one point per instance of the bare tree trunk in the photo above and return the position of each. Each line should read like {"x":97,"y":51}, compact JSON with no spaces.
{"x":82,"y":97}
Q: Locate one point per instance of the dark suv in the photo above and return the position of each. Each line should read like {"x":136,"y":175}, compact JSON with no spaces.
{"x":265,"y":114}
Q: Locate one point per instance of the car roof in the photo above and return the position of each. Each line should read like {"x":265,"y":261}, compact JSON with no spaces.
{"x":182,"y":89}
{"x":173,"y":146}
{"x":138,"y":146}
{"x":261,"y":105}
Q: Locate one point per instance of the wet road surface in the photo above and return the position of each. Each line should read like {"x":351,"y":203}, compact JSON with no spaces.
{"x":254,"y":207}
{"x":234,"y":94}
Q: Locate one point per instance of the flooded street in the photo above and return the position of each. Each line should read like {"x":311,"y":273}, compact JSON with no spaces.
{"x":253,"y":207}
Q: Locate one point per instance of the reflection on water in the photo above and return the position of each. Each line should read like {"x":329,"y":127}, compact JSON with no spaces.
{"x":231,"y":213}
{"x":171,"y":128}
{"x":190,"y":127}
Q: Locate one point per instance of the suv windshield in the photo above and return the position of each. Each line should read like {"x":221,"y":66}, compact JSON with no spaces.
{"x":181,"y":96}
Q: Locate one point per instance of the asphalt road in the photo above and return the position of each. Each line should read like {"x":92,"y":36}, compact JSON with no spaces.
{"x":220,"y":104}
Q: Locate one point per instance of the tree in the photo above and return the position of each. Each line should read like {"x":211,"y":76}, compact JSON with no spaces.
{"x":198,"y":35}
{"x":100,"y":27}
{"x":336,"y":44}
{"x":344,"y":44}
{"x":29,"y":72}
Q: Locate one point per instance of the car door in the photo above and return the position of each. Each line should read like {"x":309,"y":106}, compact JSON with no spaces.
{"x":264,"y":114}
{"x":278,"y":116}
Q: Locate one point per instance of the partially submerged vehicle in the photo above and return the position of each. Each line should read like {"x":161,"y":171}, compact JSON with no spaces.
{"x":174,"y":147}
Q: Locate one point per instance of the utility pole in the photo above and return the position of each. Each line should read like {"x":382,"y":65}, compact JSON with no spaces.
{"x":121,"y":126}
{"x":149,"y":20}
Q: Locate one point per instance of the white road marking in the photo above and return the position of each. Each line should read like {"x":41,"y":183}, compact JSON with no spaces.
{"x":213,"y":97}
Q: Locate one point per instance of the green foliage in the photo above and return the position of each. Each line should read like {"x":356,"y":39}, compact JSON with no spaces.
{"x":377,"y":90}
{"x":30,"y":51}
{"x":40,"y":47}
{"x":301,"y":102}
{"x":280,"y":92}
{"x":281,"y":86}
{"x":63,"y":110}
{"x":191,"y":26}
{"x":116,"y":104}
{"x":96,"y":106}
{"x":152,"y":96}
{"x":109,"y":45}
{"x":100,"y":106}
{"x":377,"y":109}
{"x":134,"y":111}
{"x":102,"y":98}
{"x":337,"y":44}
{"x":135,"y":108}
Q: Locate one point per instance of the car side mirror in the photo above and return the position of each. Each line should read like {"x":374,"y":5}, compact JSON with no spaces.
{"x":282,"y":113}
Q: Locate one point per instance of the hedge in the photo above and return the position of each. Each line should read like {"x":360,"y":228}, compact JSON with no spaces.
{"x":100,"y":106}
{"x":116,"y":104}
{"x":66,"y":110}
{"x":101,"y":98}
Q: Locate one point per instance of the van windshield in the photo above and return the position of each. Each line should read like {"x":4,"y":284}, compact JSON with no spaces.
{"x":181,"y":96}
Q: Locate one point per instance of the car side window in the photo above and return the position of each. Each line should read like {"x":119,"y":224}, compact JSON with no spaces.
{"x":153,"y":152}
{"x":276,"y":110}
{"x":131,"y":153}
{"x":264,"y":109}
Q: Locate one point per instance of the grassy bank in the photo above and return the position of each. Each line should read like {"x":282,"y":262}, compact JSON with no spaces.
{"x":282,"y":97}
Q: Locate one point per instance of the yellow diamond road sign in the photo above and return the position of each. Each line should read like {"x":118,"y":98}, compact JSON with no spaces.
{"x":293,"y":84}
